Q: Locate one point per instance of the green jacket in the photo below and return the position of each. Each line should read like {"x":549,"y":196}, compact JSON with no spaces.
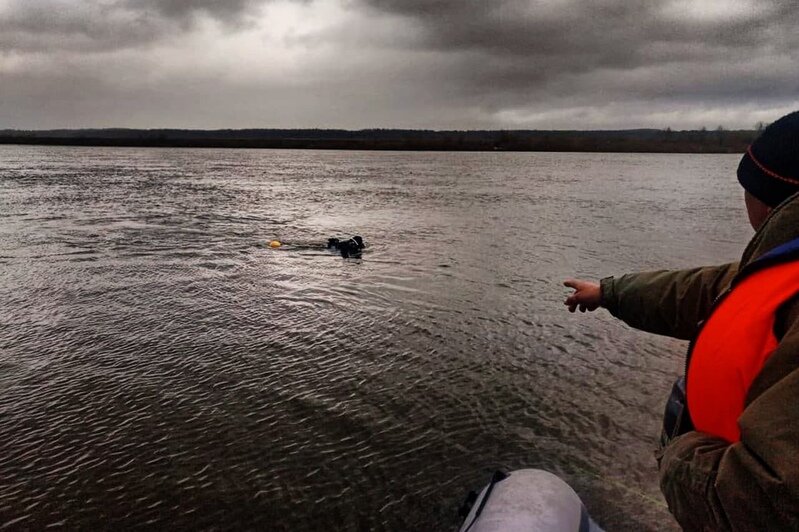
{"x":708,"y":483}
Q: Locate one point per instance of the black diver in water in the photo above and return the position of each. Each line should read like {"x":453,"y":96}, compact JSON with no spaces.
{"x":347,"y":248}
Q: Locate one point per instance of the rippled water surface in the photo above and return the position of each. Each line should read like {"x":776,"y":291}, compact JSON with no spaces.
{"x":160,"y":366}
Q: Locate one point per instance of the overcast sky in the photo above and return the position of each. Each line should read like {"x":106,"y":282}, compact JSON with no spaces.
{"x":440,"y":64}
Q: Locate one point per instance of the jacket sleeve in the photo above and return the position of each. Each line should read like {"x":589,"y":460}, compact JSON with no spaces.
{"x":666,"y":302}
{"x":752,"y":484}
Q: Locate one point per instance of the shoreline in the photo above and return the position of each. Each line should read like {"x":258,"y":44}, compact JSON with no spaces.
{"x":624,"y":141}
{"x":358,"y":146}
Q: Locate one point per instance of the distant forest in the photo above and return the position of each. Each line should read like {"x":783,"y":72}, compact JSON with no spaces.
{"x":633,"y":140}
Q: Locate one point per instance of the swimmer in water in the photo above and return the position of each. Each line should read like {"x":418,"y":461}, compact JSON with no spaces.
{"x":347,"y":248}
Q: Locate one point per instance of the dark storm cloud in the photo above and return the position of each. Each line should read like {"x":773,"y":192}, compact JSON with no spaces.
{"x":398,"y":63}
{"x":100,"y":25}
{"x":521,"y":44}
{"x":55,"y":26}
{"x":612,"y":29}
{"x":232,"y":12}
{"x":515,"y":53}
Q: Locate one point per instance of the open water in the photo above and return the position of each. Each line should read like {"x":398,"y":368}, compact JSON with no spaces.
{"x":160,"y":367}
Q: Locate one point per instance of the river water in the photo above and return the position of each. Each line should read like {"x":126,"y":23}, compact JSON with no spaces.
{"x":162,"y":367}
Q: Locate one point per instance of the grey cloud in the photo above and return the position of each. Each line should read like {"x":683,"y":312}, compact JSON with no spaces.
{"x":517,"y":52}
{"x":227,"y":11}
{"x":402,"y":63}
{"x":49,"y":26}
{"x":608,"y":32}
{"x":96,"y":25}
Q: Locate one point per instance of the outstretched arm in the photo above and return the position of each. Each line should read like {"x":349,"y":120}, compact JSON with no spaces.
{"x":663,"y":302}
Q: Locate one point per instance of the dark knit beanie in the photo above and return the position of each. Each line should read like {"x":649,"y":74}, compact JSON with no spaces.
{"x":769,"y":170}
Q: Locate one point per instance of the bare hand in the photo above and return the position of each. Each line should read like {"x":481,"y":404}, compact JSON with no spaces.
{"x":586,"y":296}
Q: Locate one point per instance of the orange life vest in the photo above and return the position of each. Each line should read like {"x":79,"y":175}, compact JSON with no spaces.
{"x":736,"y":340}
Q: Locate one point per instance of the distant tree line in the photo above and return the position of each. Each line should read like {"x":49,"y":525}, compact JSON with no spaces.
{"x":632,"y":140}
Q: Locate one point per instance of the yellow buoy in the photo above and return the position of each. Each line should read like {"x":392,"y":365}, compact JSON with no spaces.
{"x":275,"y":244}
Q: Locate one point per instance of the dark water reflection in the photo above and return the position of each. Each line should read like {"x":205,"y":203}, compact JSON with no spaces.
{"x":161,"y":367}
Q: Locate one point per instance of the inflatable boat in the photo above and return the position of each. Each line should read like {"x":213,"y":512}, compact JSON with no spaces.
{"x":526,"y":500}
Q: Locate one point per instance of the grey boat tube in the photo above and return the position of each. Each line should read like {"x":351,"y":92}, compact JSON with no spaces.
{"x":528,"y":500}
